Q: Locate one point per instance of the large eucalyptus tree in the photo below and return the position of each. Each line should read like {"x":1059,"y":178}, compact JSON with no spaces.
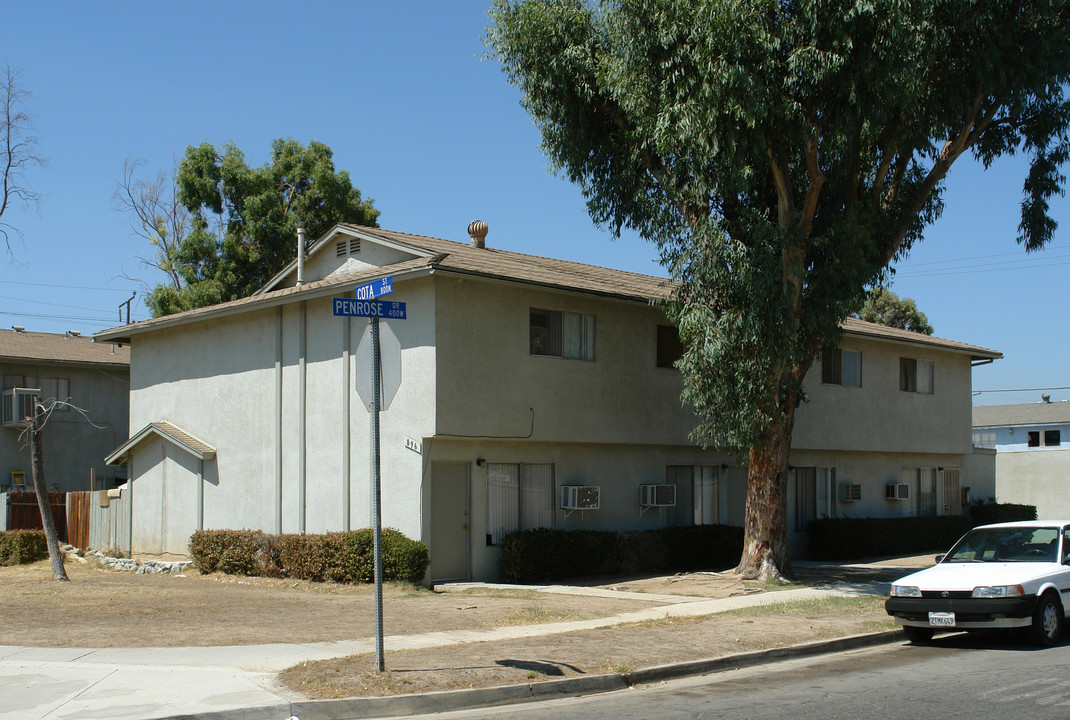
{"x":781,"y":153}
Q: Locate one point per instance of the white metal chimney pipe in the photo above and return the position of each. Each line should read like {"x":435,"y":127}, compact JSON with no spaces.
{"x":300,"y":257}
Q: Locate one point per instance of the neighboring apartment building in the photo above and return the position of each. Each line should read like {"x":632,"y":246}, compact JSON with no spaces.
{"x":93,"y":377}
{"x":1032,"y":444}
{"x":533,"y":392}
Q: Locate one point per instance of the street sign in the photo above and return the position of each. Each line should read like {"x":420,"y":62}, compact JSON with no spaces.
{"x":348,"y":307}
{"x":372,"y":290}
{"x":389,"y":367}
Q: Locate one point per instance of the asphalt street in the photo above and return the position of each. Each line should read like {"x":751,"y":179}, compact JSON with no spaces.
{"x":959,"y":676}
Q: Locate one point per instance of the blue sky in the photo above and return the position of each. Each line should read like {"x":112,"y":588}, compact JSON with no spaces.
{"x":429,"y":129}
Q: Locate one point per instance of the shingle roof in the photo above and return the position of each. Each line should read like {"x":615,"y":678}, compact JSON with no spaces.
{"x":488,"y":262}
{"x":51,"y":347}
{"x":1038,"y":413}
{"x":168,"y":431}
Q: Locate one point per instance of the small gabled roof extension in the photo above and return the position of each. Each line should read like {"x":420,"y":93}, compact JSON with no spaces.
{"x":169,"y":432}
{"x":21,"y":346}
{"x":1038,"y":413}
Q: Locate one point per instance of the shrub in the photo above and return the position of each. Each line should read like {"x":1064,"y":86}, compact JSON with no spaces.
{"x":18,"y":547}
{"x":545,"y":554}
{"x":853,"y":538}
{"x":987,"y":513}
{"x":334,"y":556}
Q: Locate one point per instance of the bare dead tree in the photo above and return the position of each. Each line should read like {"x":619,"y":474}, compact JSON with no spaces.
{"x":155,"y":214}
{"x":33,"y":434}
{"x":18,"y":150}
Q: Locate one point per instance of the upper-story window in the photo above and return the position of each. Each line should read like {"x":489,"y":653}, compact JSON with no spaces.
{"x":1052,"y":438}
{"x":670,"y":348}
{"x":555,"y":333}
{"x":916,"y":376}
{"x":841,"y":367}
{"x":984,"y":439}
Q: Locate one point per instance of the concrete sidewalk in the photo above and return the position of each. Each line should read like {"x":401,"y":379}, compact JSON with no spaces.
{"x":238,"y":683}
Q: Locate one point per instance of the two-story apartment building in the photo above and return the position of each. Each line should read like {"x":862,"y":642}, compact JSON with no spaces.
{"x":1032,"y":444}
{"x":92,"y":381}
{"x":534,"y":392}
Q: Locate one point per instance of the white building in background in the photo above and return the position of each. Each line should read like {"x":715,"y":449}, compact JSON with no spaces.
{"x":1032,"y":444}
{"x":534,"y":392}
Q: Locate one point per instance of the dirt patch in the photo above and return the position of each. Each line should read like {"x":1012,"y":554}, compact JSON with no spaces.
{"x":108,"y":608}
{"x":616,"y":649}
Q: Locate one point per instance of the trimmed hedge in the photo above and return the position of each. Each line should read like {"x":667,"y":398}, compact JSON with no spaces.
{"x":18,"y":547}
{"x":545,"y":554}
{"x":335,"y":557}
{"x":854,"y":538}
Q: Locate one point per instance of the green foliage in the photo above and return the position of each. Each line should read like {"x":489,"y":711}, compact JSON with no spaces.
{"x":884,"y":307}
{"x":853,"y":538}
{"x":243,"y":221}
{"x":546,"y":555}
{"x":782,"y":154}
{"x":989,"y":513}
{"x":18,"y":547}
{"x":329,"y":557}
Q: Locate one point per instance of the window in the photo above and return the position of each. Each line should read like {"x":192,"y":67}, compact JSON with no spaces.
{"x":562,"y":334}
{"x":670,"y":348}
{"x":927,"y":493}
{"x":984,"y":438}
{"x":1052,"y":438}
{"x":841,"y":367}
{"x":916,"y":376}
{"x":519,"y":497}
{"x":696,"y":493}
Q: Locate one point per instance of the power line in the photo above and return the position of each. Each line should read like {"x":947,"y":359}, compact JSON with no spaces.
{"x":95,"y":320}
{"x":979,"y":392}
{"x":65,"y":287}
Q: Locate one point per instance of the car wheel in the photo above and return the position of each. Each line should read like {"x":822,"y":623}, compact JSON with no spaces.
{"x":918,"y":634}
{"x":1047,"y":621}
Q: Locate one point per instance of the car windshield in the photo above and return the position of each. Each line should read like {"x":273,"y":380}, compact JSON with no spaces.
{"x":1009,"y":544}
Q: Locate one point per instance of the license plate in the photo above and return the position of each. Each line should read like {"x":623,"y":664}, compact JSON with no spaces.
{"x":942,"y":619}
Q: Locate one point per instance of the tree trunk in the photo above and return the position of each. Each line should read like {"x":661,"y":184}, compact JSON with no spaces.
{"x":765,"y":537}
{"x":38,"y":471}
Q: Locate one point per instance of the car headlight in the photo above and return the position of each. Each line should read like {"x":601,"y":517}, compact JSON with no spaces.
{"x":905,"y":591}
{"x":997,"y":591}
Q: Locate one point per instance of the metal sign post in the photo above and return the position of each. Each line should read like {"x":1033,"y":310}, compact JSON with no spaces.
{"x":365,"y":305}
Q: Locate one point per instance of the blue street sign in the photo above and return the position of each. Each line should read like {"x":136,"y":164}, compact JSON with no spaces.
{"x":392,"y":310}
{"x":372,"y":290}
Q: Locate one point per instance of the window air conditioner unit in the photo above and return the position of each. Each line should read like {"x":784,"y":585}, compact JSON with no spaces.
{"x":850,"y":492}
{"x":657,"y":495}
{"x":16,"y":406}
{"x":896,"y":491}
{"x":580,"y":497}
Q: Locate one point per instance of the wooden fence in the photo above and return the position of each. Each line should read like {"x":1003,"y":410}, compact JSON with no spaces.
{"x":23,"y":513}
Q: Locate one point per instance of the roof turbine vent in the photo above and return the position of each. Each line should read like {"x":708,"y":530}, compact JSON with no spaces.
{"x":1045,"y":398}
{"x":477,"y":230}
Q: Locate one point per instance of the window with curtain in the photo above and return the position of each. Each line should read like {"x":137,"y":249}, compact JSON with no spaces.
{"x":696,"y":493}
{"x":519,"y":497}
{"x":841,"y":367}
{"x":916,"y":376}
{"x":555,"y":333}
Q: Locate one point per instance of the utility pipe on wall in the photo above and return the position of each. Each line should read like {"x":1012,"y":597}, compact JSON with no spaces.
{"x":300,"y":257}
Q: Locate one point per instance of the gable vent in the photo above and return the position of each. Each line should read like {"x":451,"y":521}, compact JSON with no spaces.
{"x":354,"y":246}
{"x":340,"y":249}
{"x":350,"y":248}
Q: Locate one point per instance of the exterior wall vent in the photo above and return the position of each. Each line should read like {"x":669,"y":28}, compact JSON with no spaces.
{"x":850,"y":492}
{"x":340,"y":249}
{"x":580,"y":497}
{"x":657,"y":495}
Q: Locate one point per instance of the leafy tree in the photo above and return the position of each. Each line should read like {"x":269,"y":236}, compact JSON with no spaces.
{"x":781,"y":153}
{"x":18,"y":149}
{"x":238,"y":224}
{"x":884,"y":306}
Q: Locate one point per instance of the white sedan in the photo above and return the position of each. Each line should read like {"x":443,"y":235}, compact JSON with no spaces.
{"x":1008,"y":575}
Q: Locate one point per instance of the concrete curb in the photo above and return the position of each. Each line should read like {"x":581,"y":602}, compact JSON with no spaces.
{"x":447,"y":700}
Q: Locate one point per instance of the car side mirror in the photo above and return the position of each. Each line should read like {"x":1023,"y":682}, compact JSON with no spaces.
{"x":1066,"y":559}
{"x":939,"y":559}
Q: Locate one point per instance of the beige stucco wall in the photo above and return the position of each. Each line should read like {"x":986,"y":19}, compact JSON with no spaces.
{"x":878,"y":416}
{"x":217,"y":380}
{"x":1038,"y":477}
{"x":489,"y":383}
